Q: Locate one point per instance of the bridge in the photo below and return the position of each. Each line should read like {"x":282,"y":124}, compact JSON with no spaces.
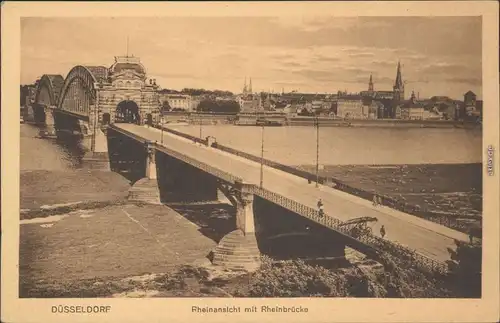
{"x":91,"y":97}
{"x":96,"y":101}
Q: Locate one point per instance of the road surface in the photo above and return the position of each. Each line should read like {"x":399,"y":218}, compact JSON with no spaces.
{"x":428,"y":238}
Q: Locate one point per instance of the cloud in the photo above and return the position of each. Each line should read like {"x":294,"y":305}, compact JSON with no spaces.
{"x":292,"y":64}
{"x":476,"y":81}
{"x":281,"y":56}
{"x":378,"y":64}
{"x":362,"y":55}
{"x":318,"y":53}
{"x":327,"y":59}
{"x":445,"y":69}
{"x":314,"y":23}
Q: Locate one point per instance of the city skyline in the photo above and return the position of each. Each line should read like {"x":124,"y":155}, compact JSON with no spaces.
{"x":439,"y":56}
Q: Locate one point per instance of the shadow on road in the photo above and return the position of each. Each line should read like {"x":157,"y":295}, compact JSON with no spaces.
{"x":214,"y":219}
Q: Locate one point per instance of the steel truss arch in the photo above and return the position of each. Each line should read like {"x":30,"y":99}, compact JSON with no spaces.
{"x":48,"y":90}
{"x":80,"y":80}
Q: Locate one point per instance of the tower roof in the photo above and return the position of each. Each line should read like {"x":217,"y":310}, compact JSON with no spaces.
{"x":127,"y":63}
{"x":370,"y":85}
{"x":399,"y":79}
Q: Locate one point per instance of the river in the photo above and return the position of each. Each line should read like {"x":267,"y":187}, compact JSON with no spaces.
{"x":296,"y":145}
{"x":46,"y":154}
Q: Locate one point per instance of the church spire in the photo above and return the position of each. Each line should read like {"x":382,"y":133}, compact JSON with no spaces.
{"x":399,"y":79}
{"x":250,"y":86}
{"x":370,"y":85}
{"x":399,"y":87}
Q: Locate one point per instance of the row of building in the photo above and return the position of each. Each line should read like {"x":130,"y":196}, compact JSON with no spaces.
{"x":370,"y":104}
{"x":126,"y":78}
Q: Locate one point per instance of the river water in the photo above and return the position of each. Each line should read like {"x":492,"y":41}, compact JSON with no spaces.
{"x":296,"y":145}
{"x":47,"y":154}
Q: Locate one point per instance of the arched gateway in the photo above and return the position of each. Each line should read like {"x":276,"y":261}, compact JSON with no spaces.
{"x":127,"y":112}
{"x":119,"y":93}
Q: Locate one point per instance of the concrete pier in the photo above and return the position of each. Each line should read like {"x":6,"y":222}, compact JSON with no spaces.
{"x":50,"y":125}
{"x":146,"y":190}
{"x":97,"y":157}
{"x":238,"y":250}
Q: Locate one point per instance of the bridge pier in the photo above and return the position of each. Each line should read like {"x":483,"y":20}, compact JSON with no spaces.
{"x":50,"y":124}
{"x":238,"y":250}
{"x":83,"y":127}
{"x":86,"y":135}
{"x":146,"y":190}
{"x":97,"y":157}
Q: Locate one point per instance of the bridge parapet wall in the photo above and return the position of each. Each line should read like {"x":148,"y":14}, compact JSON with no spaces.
{"x":339,"y":185}
{"x":227,"y":177}
{"x":378,"y":244}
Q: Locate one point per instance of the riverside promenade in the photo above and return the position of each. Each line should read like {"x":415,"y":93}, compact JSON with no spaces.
{"x":427,"y":238}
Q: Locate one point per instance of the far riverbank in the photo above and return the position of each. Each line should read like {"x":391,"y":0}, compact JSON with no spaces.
{"x":383,"y":123}
{"x":250,"y":119}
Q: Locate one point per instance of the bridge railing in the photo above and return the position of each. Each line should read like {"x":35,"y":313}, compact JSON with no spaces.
{"x":423,"y":262}
{"x":200,"y":165}
{"x":446,"y":220}
{"x":186,"y":159}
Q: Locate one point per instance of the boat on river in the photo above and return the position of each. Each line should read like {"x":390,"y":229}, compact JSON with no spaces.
{"x":268,"y":123}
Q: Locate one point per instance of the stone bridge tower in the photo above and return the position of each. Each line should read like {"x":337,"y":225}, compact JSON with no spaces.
{"x":125,"y":95}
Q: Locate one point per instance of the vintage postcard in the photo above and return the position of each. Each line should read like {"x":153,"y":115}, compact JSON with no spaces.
{"x":250,"y":161}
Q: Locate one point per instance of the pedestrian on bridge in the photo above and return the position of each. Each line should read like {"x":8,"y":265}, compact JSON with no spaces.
{"x":382,"y":231}
{"x":320,"y":208}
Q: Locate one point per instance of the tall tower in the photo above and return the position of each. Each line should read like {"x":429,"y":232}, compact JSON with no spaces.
{"x":399,"y":87}
{"x":250,"y":86}
{"x":245,"y":86}
{"x":370,"y":85}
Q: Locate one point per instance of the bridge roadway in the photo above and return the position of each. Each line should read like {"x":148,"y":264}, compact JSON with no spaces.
{"x":427,"y":238}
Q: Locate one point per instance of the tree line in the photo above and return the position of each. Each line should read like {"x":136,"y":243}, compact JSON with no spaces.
{"x":24,"y":90}
{"x":198,"y":92}
{"x":208,"y":105}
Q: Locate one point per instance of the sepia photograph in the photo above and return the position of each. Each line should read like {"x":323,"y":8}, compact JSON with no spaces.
{"x":251,"y":156}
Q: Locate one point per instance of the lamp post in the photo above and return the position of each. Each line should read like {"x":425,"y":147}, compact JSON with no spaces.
{"x":96,"y":115}
{"x":161,"y":125}
{"x":262,"y":157}
{"x":317,"y":149}
{"x":201,"y":123}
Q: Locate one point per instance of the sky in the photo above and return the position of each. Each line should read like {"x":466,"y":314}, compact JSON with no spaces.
{"x":317,"y":54}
